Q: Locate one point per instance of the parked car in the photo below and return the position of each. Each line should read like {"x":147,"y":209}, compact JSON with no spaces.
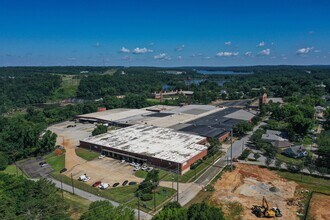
{"x":144,"y":167}
{"x":132,"y":183}
{"x":123,"y":161}
{"x":149,"y":169}
{"x":132,"y":164}
{"x":43,"y":164}
{"x":101,"y":156}
{"x":84,"y":178}
{"x":104,"y":186}
{"x":97,"y":184}
{"x":125,"y":183}
{"x":115,"y":184}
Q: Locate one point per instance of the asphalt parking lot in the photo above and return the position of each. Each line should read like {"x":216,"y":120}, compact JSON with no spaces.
{"x":106,"y":170}
{"x":32,"y":168}
{"x":72,"y":130}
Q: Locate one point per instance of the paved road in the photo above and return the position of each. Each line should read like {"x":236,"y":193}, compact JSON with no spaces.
{"x":93,"y":198}
{"x":213,"y":171}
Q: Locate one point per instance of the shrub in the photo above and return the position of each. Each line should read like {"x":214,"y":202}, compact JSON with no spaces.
{"x":146,"y":197}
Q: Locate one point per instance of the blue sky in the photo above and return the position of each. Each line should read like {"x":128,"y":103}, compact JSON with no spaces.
{"x":164,"y":33}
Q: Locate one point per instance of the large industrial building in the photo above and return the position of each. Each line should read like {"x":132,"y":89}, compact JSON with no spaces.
{"x":164,"y":136}
{"x":161,"y":147}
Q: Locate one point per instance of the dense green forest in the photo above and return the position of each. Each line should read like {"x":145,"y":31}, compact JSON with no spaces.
{"x":27,"y":199}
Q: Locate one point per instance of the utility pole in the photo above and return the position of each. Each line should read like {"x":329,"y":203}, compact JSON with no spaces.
{"x":62,"y":187}
{"x":72,"y":184}
{"x":231,"y":150}
{"x":138,"y":205}
{"x":154,"y":200}
{"x":177,"y":184}
{"x":172,"y":181}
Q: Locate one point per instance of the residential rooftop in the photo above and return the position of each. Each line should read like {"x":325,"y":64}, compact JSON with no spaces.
{"x":156,"y":142}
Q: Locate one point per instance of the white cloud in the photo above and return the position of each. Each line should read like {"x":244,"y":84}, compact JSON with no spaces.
{"x":179,"y":57}
{"x":180,"y":48}
{"x":265,"y":52}
{"x":162,"y":56}
{"x":228,"y":43}
{"x":248,"y":53}
{"x":227,"y":54}
{"x":142,"y":50}
{"x":261,"y":44}
{"x":124,"y":50}
{"x":207,"y":58}
{"x":304,"y":51}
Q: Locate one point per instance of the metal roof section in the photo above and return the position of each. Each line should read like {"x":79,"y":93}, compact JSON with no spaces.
{"x":241,"y":115}
{"x":156,"y":142}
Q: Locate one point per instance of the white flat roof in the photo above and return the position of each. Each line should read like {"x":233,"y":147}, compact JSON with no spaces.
{"x":115,"y":114}
{"x":161,"y":143}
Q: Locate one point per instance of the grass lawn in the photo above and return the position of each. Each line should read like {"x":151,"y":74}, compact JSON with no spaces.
{"x":78,"y":205}
{"x":162,"y":195}
{"x":86,"y":154}
{"x":123,"y":195}
{"x":288,"y":159}
{"x":188,"y":176}
{"x":67,"y":89}
{"x":57,"y":162}
{"x":11,"y":169}
{"x":309,"y":182}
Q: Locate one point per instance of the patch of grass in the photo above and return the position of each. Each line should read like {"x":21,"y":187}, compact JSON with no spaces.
{"x":57,"y":162}
{"x":189,"y":176}
{"x":13,"y":170}
{"x":67,"y":89}
{"x":124,"y":195}
{"x":235,"y":211}
{"x":307,"y":141}
{"x":86,"y":154}
{"x":285,"y":159}
{"x":162,"y":194}
{"x":78,"y":205}
{"x":309,"y":182}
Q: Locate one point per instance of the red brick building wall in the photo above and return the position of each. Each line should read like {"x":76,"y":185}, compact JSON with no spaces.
{"x":150,"y":160}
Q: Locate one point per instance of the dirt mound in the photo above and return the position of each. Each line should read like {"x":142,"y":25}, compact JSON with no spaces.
{"x":248,"y":184}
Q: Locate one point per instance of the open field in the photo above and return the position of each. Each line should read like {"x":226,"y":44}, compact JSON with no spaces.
{"x":248,"y":184}
{"x":319,"y":207}
{"x":68,"y":88}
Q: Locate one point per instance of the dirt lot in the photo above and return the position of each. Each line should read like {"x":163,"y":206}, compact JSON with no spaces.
{"x":247,"y":184}
{"x":319,"y":207}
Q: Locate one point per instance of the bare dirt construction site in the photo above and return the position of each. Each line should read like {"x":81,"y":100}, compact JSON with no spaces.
{"x":319,"y":207}
{"x":248,"y":184}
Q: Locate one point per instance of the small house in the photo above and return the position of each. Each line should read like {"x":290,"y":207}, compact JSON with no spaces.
{"x":295,"y":152}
